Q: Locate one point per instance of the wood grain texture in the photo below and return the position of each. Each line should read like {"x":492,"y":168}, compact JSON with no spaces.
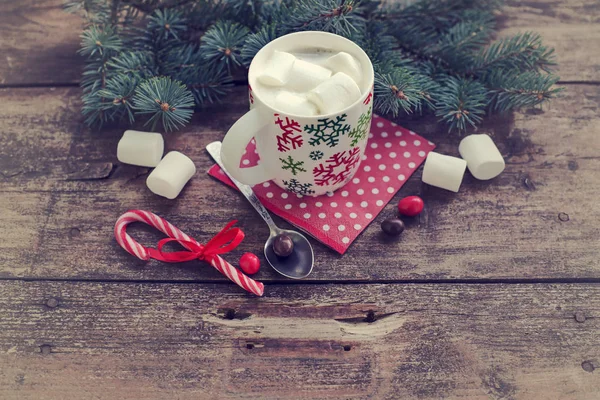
{"x":537,"y":220}
{"x":39,"y":40}
{"x":65,"y":340}
{"x":39,"y":43}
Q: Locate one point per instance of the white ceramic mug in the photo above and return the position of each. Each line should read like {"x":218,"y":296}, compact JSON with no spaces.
{"x":305,"y":155}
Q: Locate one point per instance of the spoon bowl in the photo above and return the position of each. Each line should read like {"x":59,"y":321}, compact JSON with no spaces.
{"x":297,"y":265}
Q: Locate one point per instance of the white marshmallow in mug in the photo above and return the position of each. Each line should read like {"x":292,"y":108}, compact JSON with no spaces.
{"x":140,"y":148}
{"x":171,"y":175}
{"x":442,"y":171}
{"x":344,"y":62}
{"x":305,"y":76}
{"x":294,"y":104}
{"x":335,"y":94}
{"x":482,"y":156}
{"x":278,"y":70}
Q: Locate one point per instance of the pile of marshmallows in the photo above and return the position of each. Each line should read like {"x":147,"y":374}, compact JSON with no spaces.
{"x":310,"y":89}
{"x":478,"y":152}
{"x":145,"y":149}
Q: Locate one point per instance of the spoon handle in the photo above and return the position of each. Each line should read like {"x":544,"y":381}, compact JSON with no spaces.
{"x":214,"y":149}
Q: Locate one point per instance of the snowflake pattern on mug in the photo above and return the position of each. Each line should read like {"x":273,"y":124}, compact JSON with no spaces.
{"x":291,"y":136}
{"x":336,"y":168}
{"x":299,"y":188}
{"x":316,"y":155}
{"x":327,"y":131}
{"x":293,"y":166}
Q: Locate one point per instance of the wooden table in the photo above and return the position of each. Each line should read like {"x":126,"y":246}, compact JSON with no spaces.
{"x":491,"y":294}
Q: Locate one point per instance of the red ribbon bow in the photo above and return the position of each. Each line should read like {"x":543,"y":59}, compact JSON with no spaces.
{"x":223,"y":242}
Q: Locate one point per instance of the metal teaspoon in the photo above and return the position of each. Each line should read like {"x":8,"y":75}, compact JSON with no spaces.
{"x":297,"y":265}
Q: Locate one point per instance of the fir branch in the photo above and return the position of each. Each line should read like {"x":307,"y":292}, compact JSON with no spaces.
{"x":134,"y":63}
{"x":116,"y":98}
{"x":461,"y":102}
{"x":403,"y":90}
{"x":166,"y":100}
{"x":223,"y":42}
{"x":513,"y":90}
{"x":100,"y":42}
{"x":521,"y":52}
{"x":256,"y":41}
{"x":167,"y":24}
{"x":341,"y":17}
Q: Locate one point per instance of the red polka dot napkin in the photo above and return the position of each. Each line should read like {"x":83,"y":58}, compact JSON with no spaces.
{"x":336,"y":219}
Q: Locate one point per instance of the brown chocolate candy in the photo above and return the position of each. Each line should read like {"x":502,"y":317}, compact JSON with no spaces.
{"x":283,"y":245}
{"x":392,"y":226}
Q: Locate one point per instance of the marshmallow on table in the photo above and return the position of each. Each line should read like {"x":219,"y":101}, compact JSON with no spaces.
{"x":171,"y":175}
{"x":140,"y":148}
{"x":278,"y":70}
{"x":335,"y":94}
{"x":305,"y":76}
{"x":344,"y":62}
{"x":294,"y":104}
{"x":482,"y":156}
{"x":445,"y":172}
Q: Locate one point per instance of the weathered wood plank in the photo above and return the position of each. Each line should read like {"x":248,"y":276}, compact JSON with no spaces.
{"x":67,"y":340}
{"x":40,"y":41}
{"x":64,"y":189}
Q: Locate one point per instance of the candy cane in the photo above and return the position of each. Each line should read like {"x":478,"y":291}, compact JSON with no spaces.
{"x":197,"y":250}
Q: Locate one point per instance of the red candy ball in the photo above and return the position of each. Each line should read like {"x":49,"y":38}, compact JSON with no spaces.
{"x":410,"y":206}
{"x":249,"y":263}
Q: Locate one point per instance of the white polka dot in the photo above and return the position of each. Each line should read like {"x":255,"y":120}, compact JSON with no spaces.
{"x":302,"y":205}
{"x":333,"y":204}
{"x":364,"y":204}
{"x":337,"y":215}
{"x":411,"y":165}
{"x":430,"y":143}
{"x":357,"y":227}
{"x":322,"y":215}
{"x":382,"y":167}
{"x":364,"y":157}
{"x":394,"y":124}
{"x":370,"y":136}
{"x":386,"y":178}
{"x":255,"y":150}
{"x":412,"y":133}
{"x":318,"y":204}
{"x":298,"y":195}
{"x":246,"y":162}
{"x":384,"y":134}
{"x":368,"y":215}
{"x":402,"y":143}
{"x":288,"y":206}
{"x":325,"y":228}
{"x":360,"y":191}
{"x":378,"y":156}
{"x":373,"y":145}
{"x":401,"y":177}
{"x":221,"y":172}
{"x":345,"y":240}
{"x":390,"y":190}
{"x":270,"y":195}
{"x":307,"y":216}
{"x":341,"y":228}
{"x":406,"y":154}
{"x":329,"y":194}
{"x":353,"y":215}
{"x":398,"y":133}
{"x":388,"y":145}
{"x":349,"y":204}
{"x":355,"y":180}
{"x":393,"y":155}
{"x":284,"y":195}
{"x":380,"y":124}
{"x":367,"y":168}
{"x":421,"y":153}
{"x":417,"y":142}
{"x":396,"y":166}
{"x":371,"y":179}
{"x":379,"y":203}
{"x":245,"y":151}
{"x":266,"y":184}
{"x":375,"y":191}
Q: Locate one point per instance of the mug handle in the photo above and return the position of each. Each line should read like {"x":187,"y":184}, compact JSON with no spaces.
{"x":234,"y":144}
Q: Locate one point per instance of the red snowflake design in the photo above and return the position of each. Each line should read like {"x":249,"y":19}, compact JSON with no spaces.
{"x":337,"y":167}
{"x":289,"y":139}
{"x":368,"y":99}
{"x":250,"y":94}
